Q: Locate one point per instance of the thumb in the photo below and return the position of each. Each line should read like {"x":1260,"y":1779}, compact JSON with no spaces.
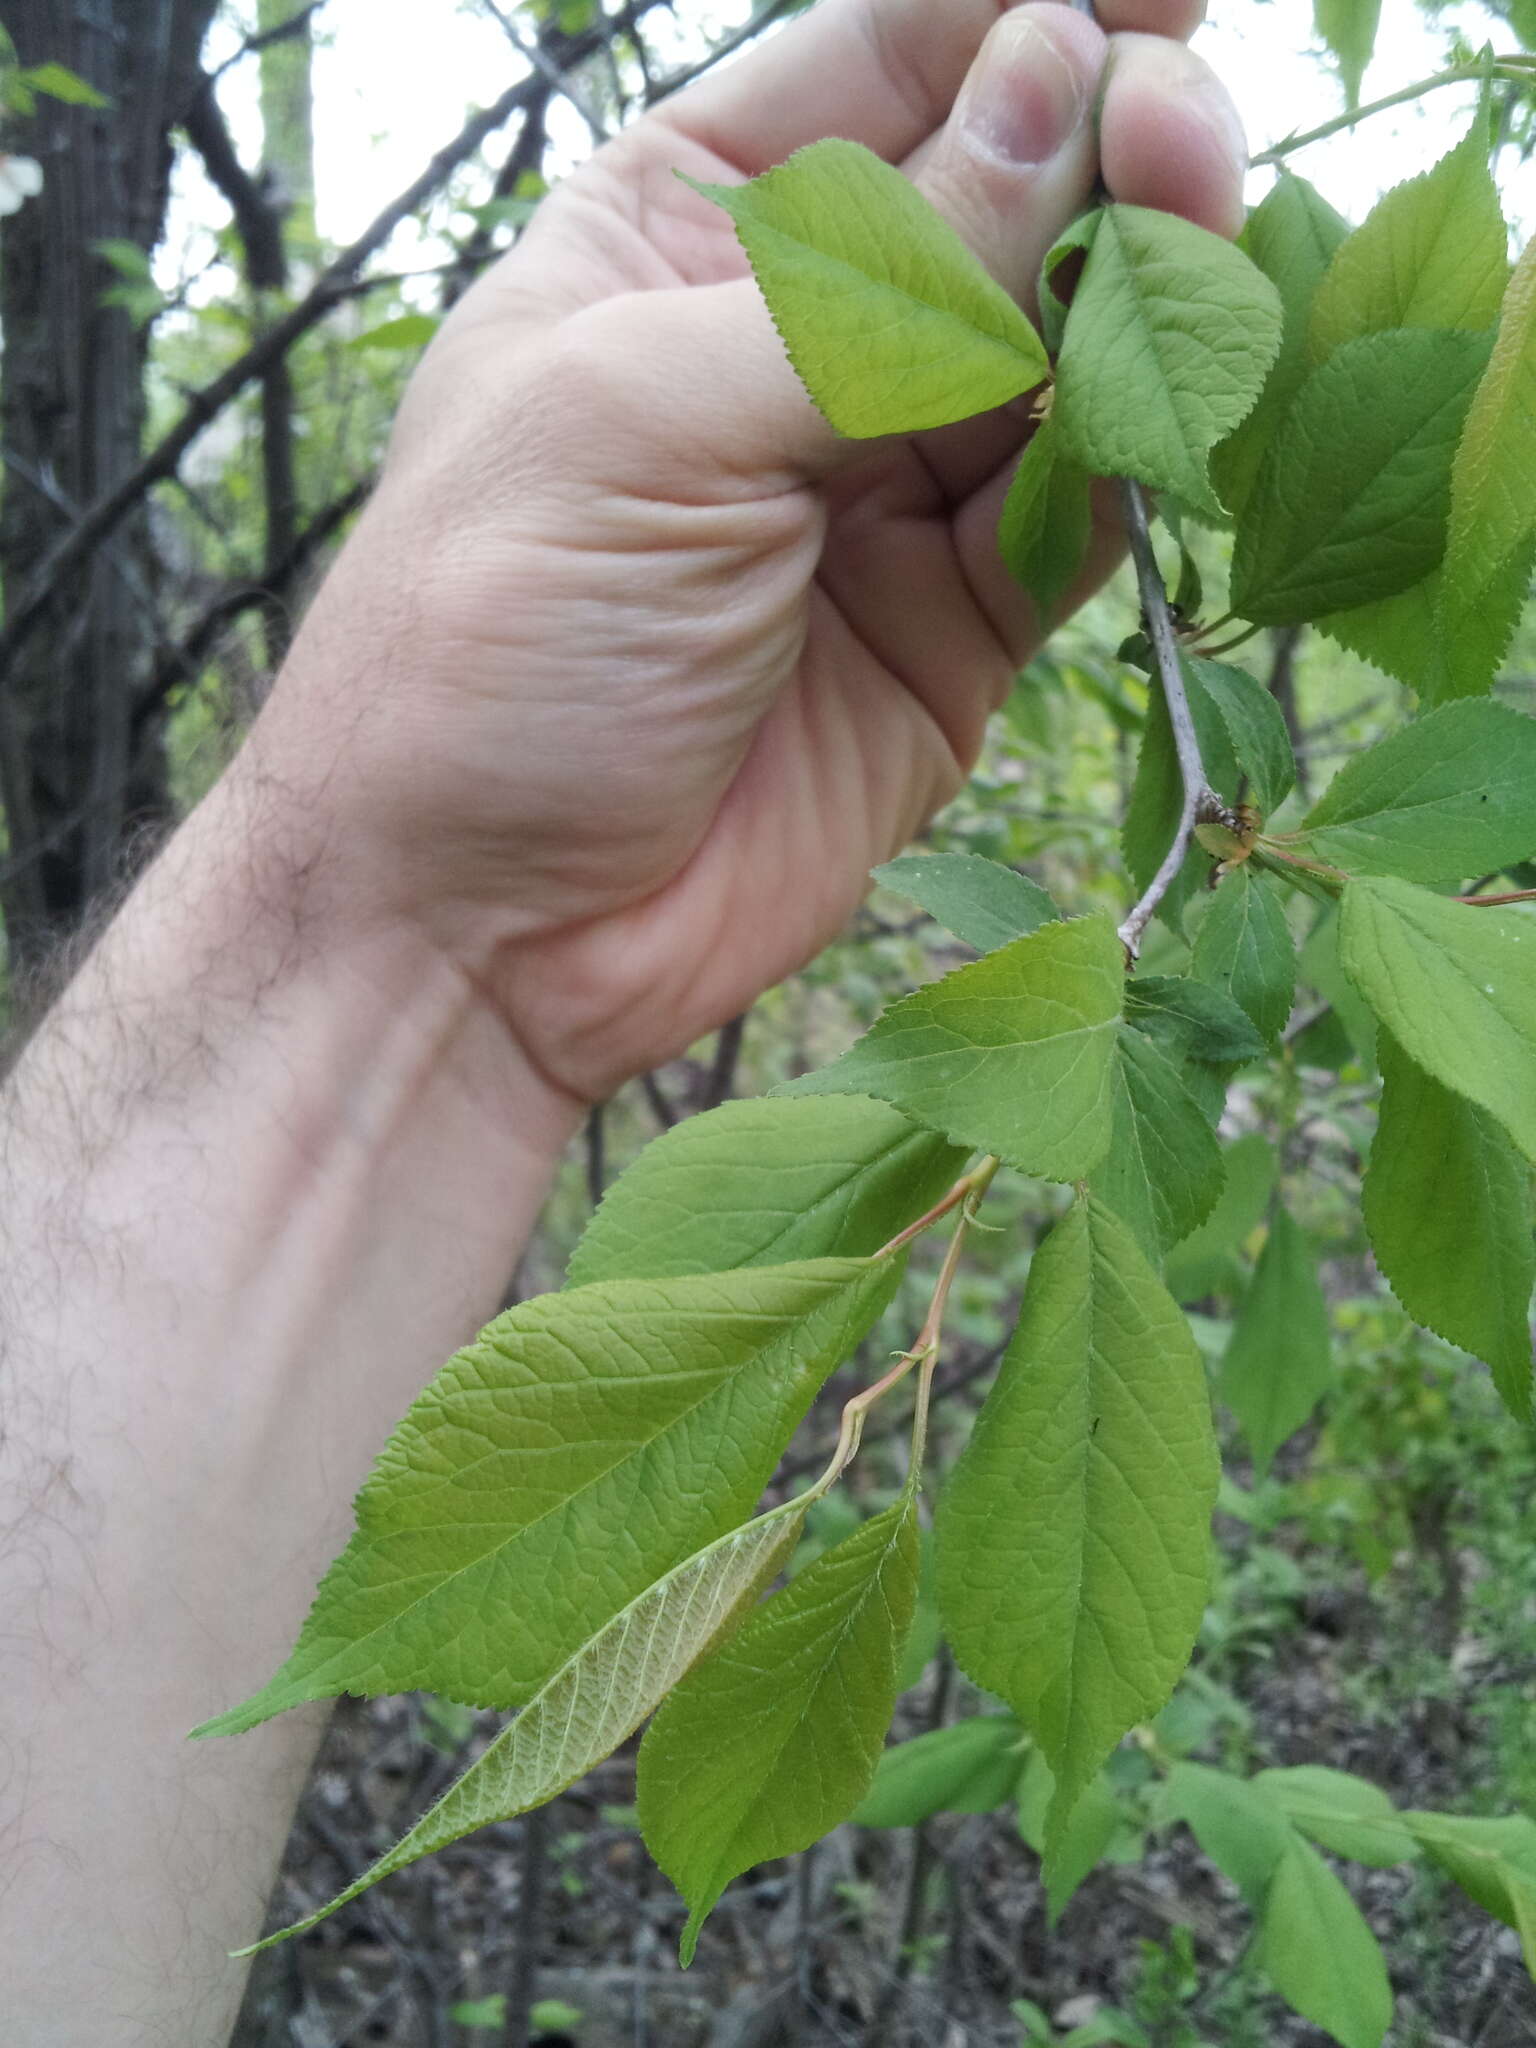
{"x":1014,"y":163}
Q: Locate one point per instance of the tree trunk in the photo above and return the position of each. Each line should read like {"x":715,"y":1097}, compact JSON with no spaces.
{"x":77,"y":774}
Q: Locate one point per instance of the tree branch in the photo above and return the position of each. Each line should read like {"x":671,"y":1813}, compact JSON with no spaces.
{"x":1201,"y":804}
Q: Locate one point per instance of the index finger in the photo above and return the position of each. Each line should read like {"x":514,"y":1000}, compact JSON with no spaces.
{"x":881,"y":72}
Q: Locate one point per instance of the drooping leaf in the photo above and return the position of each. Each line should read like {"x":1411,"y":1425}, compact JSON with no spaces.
{"x":1448,"y":1211}
{"x":766,"y":1183}
{"x":1456,"y":986}
{"x":1243,"y":948}
{"x":1348,"y":27}
{"x":1205,"y":1263}
{"x":1319,"y":1954}
{"x":598,"y":1699}
{"x":1434,"y":252}
{"x":972,"y":1766}
{"x":1046,"y":522}
{"x":1162,"y":1172}
{"x":1073,"y":1535}
{"x":1256,"y":727}
{"x":1291,"y":235}
{"x":1493,"y":497}
{"x":1083,"y":1840}
{"x":1157,"y":795}
{"x":1171,"y":334}
{"x":983,"y":903}
{"x":1348,"y":1815}
{"x":1352,"y":501}
{"x":1012,"y":1053}
{"x":774,"y":1738}
{"x":1494,"y":1862}
{"x":1278,"y":1362}
{"x":1453,"y":794}
{"x":582,"y":1446}
{"x":891,"y":322}
{"x":1238,"y":1826}
{"x":1191,"y":1019}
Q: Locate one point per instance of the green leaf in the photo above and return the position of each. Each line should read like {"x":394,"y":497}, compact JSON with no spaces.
{"x":766,"y":1183}
{"x":1162,"y":1172}
{"x":1238,"y":1826}
{"x":407,"y":331}
{"x":1278,"y":1362}
{"x":1243,"y":948}
{"x":774,"y":1739}
{"x":1317,"y":1951}
{"x":1348,"y":27}
{"x":972,"y":1766}
{"x":1203,"y":1263}
{"x":1157,"y":796}
{"x":1494,"y":1862}
{"x":1061,"y":273}
{"x":60,"y":83}
{"x":1084,"y":1838}
{"x":1475,"y":622}
{"x":582,"y":1446}
{"x":1074,"y":1534}
{"x":1453,"y":794}
{"x":1190,"y":1019}
{"x":1256,"y":727}
{"x":1170,"y":337}
{"x":1448,"y":1211}
{"x":1348,"y":1815}
{"x":1352,"y":501}
{"x":1046,"y":523}
{"x":1291,"y":235}
{"x":598,"y":1699}
{"x":1456,"y":986}
{"x":1323,"y":970}
{"x":1493,"y":499}
{"x":1013,"y":1053}
{"x":983,"y":903}
{"x":1433,"y":253}
{"x":891,"y":322}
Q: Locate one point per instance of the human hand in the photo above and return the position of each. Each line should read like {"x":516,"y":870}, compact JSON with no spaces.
{"x":633,"y":669}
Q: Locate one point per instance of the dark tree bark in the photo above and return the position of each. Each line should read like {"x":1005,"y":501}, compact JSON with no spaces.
{"x":77,"y":771}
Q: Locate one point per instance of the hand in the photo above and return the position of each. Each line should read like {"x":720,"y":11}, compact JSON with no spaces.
{"x":633,"y":669}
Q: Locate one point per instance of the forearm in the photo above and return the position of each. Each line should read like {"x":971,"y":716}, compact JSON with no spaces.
{"x":262,"y":1171}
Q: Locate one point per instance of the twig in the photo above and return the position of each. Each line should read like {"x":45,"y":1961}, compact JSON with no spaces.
{"x":722,"y":1074}
{"x":747,"y":33}
{"x":1459,"y":74}
{"x":554,"y":74}
{"x":1201,"y":804}
{"x":523,"y":1985}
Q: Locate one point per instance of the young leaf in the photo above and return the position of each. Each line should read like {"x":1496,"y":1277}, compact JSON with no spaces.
{"x":1433,"y":253}
{"x":983,"y":903}
{"x":971,"y":1766}
{"x":1453,"y":794}
{"x":1317,"y":1951}
{"x":891,"y":322}
{"x":1448,"y":1211}
{"x":1278,"y":1361}
{"x":1238,"y":1826}
{"x":598,"y":1699}
{"x":1349,"y":1816}
{"x":485,"y":1553}
{"x":1046,"y":522}
{"x":1457,"y":988}
{"x":774,"y":1738}
{"x":1157,"y":795}
{"x":1352,"y":501}
{"x":1074,"y":1534}
{"x":1243,"y":948}
{"x":1204,"y":1263}
{"x":1162,"y":1171}
{"x":1012,"y":1053}
{"x":1493,"y":501}
{"x":1189,"y":1019}
{"x":1170,"y":337}
{"x":1348,"y":27}
{"x":766,"y":1183}
{"x":1291,"y":235}
{"x":1256,"y":727}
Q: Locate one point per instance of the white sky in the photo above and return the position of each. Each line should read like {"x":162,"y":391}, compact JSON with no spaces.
{"x":394,"y":79}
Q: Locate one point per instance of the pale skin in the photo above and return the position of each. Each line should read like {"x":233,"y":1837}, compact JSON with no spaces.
{"x":629,"y":674}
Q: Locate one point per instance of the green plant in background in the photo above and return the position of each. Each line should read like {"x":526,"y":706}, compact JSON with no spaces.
{"x":566,"y":1522}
